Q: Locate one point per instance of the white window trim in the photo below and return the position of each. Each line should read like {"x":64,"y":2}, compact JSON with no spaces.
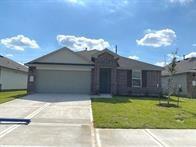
{"x":137,"y":78}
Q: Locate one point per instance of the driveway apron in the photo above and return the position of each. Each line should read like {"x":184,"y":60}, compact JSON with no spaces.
{"x":57,"y":120}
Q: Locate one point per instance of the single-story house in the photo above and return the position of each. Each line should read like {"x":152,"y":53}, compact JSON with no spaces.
{"x":184,"y":78}
{"x":92,"y":72}
{"x":13,"y":76}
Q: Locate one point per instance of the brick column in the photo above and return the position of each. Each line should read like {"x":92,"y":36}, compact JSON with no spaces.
{"x":113,"y":81}
{"x":97,"y":70}
{"x":31,"y":84}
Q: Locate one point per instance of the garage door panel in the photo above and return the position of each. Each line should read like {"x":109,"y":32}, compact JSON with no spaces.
{"x":49,"y":81}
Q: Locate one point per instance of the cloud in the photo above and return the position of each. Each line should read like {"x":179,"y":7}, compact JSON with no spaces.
{"x":170,"y":56}
{"x":162,"y":63}
{"x":77,"y":2}
{"x":182,"y":2}
{"x":134,"y":57}
{"x":190,"y":55}
{"x":80,"y":43}
{"x":194,"y":44}
{"x":19,"y":42}
{"x":115,"y":6}
{"x":157,"y":38}
{"x":9,"y":55}
{"x":110,"y":5}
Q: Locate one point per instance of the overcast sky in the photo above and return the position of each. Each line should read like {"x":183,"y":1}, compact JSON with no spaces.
{"x":146,"y":30}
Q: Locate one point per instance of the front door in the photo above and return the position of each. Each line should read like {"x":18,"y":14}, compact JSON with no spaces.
{"x":105,"y":80}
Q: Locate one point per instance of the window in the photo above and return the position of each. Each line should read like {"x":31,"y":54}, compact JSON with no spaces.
{"x":136,"y":78}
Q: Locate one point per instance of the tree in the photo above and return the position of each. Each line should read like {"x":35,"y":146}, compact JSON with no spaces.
{"x":172,"y":71}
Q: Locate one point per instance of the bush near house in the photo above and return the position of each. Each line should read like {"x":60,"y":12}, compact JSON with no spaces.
{"x":134,"y":112}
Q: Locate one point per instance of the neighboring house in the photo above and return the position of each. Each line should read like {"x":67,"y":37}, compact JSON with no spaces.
{"x":185,"y":78}
{"x":92,"y":72}
{"x":13,"y":76}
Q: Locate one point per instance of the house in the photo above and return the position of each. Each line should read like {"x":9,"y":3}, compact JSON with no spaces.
{"x":92,"y":72}
{"x":13,"y":76}
{"x":184,"y":78}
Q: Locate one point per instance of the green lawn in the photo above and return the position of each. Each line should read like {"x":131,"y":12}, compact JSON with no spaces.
{"x":132,"y":112}
{"x":11,"y":95}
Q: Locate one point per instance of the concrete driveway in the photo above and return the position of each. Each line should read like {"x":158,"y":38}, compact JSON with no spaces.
{"x":146,"y":137}
{"x":66,"y":120}
{"x":57,"y":120}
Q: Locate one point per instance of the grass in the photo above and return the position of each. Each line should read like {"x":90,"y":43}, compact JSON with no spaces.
{"x":133,"y":112}
{"x":6,"y":96}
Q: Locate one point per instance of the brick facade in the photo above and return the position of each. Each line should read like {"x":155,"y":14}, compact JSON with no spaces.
{"x":121,"y":79}
{"x":104,"y":60}
{"x":151,"y":89}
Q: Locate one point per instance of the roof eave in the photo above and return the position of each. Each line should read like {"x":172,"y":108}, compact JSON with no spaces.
{"x":51,"y":63}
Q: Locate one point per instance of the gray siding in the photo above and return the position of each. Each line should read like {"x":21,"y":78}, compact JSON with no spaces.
{"x":180,"y":79}
{"x":11,"y":79}
{"x":54,"y":81}
{"x":191,"y":89}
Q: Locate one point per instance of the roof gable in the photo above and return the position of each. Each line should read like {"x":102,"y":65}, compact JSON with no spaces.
{"x":106,"y":51}
{"x":63,"y":55}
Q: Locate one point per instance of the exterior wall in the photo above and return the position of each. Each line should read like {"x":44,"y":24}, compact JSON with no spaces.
{"x":180,"y":79}
{"x":185,"y":80}
{"x":12,"y":79}
{"x":104,"y":60}
{"x":33,"y":73}
{"x":151,"y":89}
{"x":191,"y":90}
{"x":121,"y":80}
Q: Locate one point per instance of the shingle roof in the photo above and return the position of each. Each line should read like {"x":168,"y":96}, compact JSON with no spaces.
{"x":8,"y":63}
{"x":35,"y":61}
{"x":88,"y":54}
{"x":124,"y":63}
{"x":183,"y":66}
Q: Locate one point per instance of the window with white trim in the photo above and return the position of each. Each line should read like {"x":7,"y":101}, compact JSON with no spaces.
{"x":136,"y":78}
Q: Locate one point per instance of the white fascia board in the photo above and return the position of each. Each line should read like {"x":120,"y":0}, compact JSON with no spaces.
{"x":64,"y":67}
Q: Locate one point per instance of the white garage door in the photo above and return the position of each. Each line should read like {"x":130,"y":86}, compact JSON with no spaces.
{"x":56,"y":81}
